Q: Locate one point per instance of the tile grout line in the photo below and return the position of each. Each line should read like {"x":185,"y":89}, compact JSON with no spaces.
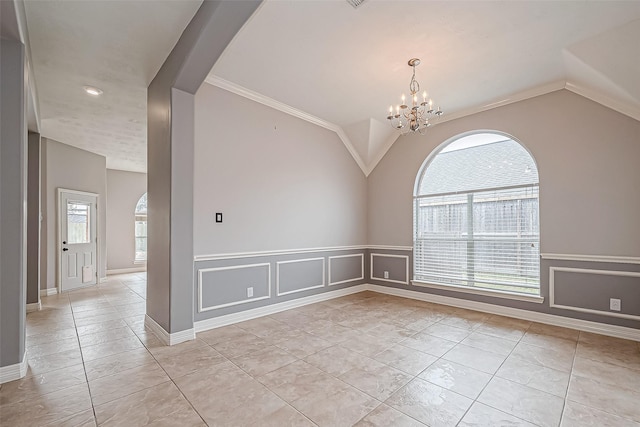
{"x":84,"y":366}
{"x":566,"y":393}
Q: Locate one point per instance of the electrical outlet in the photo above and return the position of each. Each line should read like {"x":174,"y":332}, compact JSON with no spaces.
{"x":249,"y":292}
{"x":386,"y":274}
{"x":614,"y":304}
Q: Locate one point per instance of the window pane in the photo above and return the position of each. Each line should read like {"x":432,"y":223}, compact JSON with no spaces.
{"x":141,"y":248}
{"x":78,"y":222}
{"x":474,"y":237}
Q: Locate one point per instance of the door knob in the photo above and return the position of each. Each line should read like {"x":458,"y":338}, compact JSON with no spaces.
{"x":65,"y":249}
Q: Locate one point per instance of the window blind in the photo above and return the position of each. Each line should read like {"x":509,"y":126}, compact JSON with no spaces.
{"x":482,"y":237}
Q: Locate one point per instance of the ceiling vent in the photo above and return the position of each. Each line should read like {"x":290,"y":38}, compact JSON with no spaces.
{"x":355,"y":3}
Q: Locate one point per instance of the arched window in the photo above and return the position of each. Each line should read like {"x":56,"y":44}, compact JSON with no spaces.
{"x":141,"y":229}
{"x":476,"y":217}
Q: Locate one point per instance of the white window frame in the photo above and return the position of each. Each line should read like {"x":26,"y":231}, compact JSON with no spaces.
{"x":138,"y":217}
{"x":508,"y":294}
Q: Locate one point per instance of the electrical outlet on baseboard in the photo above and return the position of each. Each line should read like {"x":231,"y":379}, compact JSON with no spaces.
{"x":386,"y":274}
{"x":249,"y":292}
{"x":614,"y":304}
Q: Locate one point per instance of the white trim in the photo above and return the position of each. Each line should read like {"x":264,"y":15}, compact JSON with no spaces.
{"x":348,"y":280}
{"x":618,"y":105}
{"x":509,"y":99}
{"x":287,"y":109}
{"x":477,"y":291}
{"x":34,"y":306}
{"x":552,"y":290}
{"x":102,"y":280}
{"x":382,"y":279}
{"x":216,"y":257}
{"x":390,"y":248}
{"x":533,"y":316}
{"x":592,"y":258}
{"x":321,"y":285}
{"x":232,"y":267}
{"x":48,"y":292}
{"x":15,"y":371}
{"x":126,"y":270}
{"x":229,"y":319}
{"x":166,"y":337}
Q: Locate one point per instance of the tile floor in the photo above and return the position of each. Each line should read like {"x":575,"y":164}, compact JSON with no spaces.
{"x":365,"y":359}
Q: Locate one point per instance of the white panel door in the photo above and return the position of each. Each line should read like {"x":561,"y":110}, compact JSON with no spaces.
{"x":77,"y":239}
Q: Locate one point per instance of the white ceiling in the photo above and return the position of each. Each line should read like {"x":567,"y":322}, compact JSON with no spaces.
{"x":331,"y":64}
{"x":117,"y":46}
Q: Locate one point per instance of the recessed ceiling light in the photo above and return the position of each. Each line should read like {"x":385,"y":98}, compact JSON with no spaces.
{"x":93,"y":91}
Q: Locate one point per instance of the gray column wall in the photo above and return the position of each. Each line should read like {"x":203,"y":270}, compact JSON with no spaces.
{"x":33,"y":219}
{"x":13,"y":201}
{"x":170,"y":99}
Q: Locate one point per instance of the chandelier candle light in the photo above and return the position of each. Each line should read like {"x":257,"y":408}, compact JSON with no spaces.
{"x":415,"y":118}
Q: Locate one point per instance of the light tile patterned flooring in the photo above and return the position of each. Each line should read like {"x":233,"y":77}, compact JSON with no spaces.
{"x":365,"y":359}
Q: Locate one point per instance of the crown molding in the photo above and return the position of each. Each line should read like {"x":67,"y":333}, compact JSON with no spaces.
{"x":621,"y":107}
{"x":510,"y":99}
{"x":614,"y":104}
{"x":292,"y":111}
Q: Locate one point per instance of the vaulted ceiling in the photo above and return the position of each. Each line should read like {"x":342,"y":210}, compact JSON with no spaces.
{"x":329,"y":63}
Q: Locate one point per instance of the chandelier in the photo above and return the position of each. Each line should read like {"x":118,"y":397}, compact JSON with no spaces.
{"x":414,"y":118}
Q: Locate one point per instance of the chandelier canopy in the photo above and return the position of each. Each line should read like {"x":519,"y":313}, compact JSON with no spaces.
{"x":414,"y":118}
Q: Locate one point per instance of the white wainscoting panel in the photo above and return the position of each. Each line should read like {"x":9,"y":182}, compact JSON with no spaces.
{"x":202,"y":271}
{"x":293,"y":261}
{"x":552,"y":289}
{"x":361,"y":256}
{"x":406,"y":258}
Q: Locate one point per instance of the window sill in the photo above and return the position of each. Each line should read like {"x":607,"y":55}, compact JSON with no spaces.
{"x":486,"y":292}
{"x":140,"y":262}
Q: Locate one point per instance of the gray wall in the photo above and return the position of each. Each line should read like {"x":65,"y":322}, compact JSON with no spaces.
{"x":280,"y":182}
{"x":33,"y":219}
{"x":73,"y":169}
{"x":124,"y":189}
{"x":587,"y":157}
{"x":13,"y":202}
{"x":170,"y":133}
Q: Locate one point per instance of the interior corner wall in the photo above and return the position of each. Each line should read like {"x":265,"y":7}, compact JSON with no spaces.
{"x":281,"y":183}
{"x":70,"y":168}
{"x":124,"y":190}
{"x":588,"y":161}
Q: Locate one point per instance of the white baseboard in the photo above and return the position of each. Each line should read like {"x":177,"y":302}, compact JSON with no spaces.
{"x":166,"y":337}
{"x":34,"y":306}
{"x":229,"y":319}
{"x":533,"y":316}
{"x":126,"y":270}
{"x":14,"y":372}
{"x":102,"y":280}
{"x":48,"y":292}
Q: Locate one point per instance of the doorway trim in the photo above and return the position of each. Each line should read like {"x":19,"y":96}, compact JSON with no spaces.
{"x":59,"y":192}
